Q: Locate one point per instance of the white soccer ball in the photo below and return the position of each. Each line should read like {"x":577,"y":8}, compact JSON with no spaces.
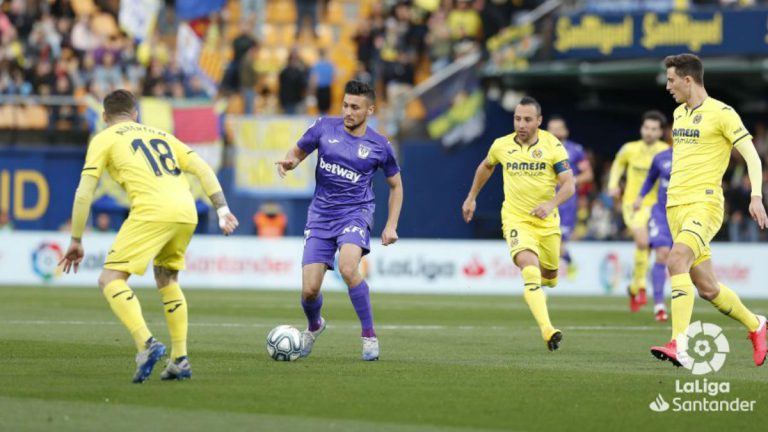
{"x":284,"y":343}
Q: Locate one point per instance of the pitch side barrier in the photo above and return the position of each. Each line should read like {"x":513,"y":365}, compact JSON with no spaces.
{"x":410,"y":266}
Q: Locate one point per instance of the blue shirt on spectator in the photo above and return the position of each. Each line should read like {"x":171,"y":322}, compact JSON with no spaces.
{"x":323,"y":71}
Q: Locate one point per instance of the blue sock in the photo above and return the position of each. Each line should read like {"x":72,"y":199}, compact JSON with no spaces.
{"x":361,"y":300}
{"x":312,"y":311}
{"x":567,"y":257}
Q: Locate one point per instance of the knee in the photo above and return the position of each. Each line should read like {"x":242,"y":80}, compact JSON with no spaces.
{"x":707,"y":287}
{"x":103,"y":281}
{"x":678,"y":262}
{"x":310,"y":290}
{"x":348,"y":272}
{"x":165,"y":277}
{"x":549,"y":278}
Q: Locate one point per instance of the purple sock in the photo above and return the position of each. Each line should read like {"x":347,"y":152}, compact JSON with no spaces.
{"x":567,"y":257}
{"x":361,"y":300}
{"x":312,"y":311}
{"x":659,"y":277}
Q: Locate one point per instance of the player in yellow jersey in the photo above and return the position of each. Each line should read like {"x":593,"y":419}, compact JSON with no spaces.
{"x":534,"y":163}
{"x":705,"y":131}
{"x":635,"y":159}
{"x":150,"y":165}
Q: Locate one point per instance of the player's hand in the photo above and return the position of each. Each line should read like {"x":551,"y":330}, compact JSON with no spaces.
{"x":73,"y":257}
{"x":757,"y":210}
{"x":636,"y":205}
{"x":614,"y":193}
{"x":286,"y":165}
{"x":468,"y":209}
{"x":543,"y":210}
{"x":227,"y":221}
{"x":388,"y":236}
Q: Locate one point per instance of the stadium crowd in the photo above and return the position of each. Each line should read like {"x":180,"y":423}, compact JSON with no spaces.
{"x":50,"y":48}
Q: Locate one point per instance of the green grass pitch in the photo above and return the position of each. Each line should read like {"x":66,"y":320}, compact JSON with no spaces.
{"x":449,"y":363}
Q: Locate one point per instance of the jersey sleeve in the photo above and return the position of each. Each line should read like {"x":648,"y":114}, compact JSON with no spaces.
{"x":311,"y":138}
{"x":732,"y":127}
{"x":653,"y":175}
{"x":389,"y":164}
{"x":493,"y":152}
{"x":560,"y":159}
{"x":618,"y":167}
{"x":181,"y":151}
{"x":96,"y":156}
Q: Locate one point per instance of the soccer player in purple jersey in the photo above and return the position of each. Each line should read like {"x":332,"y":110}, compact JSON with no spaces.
{"x":582,"y":173}
{"x":658,"y":229}
{"x":340,"y":216}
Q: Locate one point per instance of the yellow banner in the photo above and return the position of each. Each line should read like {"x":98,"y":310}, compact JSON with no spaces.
{"x":259,"y":143}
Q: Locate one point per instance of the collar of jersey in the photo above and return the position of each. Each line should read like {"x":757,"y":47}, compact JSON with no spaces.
{"x":514,"y":139}
{"x":696,"y":107}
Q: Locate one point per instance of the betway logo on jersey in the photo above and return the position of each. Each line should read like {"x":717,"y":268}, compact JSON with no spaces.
{"x":339,"y":171}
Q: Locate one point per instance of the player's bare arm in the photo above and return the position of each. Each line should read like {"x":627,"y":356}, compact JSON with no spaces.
{"x":389,"y":235}
{"x":567,"y":187}
{"x":755,"y":172}
{"x":586,"y":174}
{"x":482,"y":174}
{"x":292,"y":159}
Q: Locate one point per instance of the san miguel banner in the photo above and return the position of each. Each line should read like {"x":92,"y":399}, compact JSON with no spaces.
{"x":261,"y":141}
{"x":651,"y":34}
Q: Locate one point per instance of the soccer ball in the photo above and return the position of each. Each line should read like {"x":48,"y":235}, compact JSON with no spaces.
{"x":284,"y":343}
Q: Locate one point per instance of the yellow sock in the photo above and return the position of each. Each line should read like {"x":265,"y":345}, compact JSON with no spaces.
{"x":640,"y":271}
{"x":729,"y":304}
{"x":126,"y":306}
{"x":682,"y":304}
{"x":175,"y":308}
{"x":549,"y":282}
{"x":536,"y":299}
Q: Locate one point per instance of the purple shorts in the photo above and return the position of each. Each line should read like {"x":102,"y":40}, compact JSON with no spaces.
{"x":567,"y":218}
{"x":320,"y":245}
{"x":658,"y":228}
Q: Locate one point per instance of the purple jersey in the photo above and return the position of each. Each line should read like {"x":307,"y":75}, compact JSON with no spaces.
{"x":661,"y":169}
{"x":345,"y":168}
{"x":568,"y":208}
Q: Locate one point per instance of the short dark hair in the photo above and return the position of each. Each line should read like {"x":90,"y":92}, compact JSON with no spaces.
{"x":527,"y":100}
{"x":119,"y":102}
{"x":686,"y":65}
{"x":359,"y":88}
{"x":657,"y":116}
{"x":557,"y":117}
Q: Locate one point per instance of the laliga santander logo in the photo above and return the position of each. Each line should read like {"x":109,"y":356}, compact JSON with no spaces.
{"x":474,"y":268}
{"x":703,"y":348}
{"x":610,"y":272}
{"x":45,"y":260}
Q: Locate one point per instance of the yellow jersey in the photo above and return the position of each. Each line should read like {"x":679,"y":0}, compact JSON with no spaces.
{"x":530,"y":175}
{"x":703,"y":139}
{"x":635,"y":157}
{"x":148,"y":163}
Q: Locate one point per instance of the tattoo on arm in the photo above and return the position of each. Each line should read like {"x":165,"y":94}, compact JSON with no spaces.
{"x":218,"y":200}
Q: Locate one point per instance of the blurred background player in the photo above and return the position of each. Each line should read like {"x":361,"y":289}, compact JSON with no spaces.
{"x":340,"y":216}
{"x":635,"y":159}
{"x":534,"y":163}
{"x":149,"y":163}
{"x":660,"y":239}
{"x":582,"y":173}
{"x":704,"y":131}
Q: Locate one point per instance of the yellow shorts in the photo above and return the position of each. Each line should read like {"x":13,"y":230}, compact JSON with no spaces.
{"x":636,"y":219}
{"x":139,"y":242}
{"x":543,"y":241}
{"x":695,"y":225}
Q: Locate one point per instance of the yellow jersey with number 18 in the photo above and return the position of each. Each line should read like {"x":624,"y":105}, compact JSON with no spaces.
{"x":703,"y":139}
{"x":148,"y":163}
{"x":530,"y":175}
